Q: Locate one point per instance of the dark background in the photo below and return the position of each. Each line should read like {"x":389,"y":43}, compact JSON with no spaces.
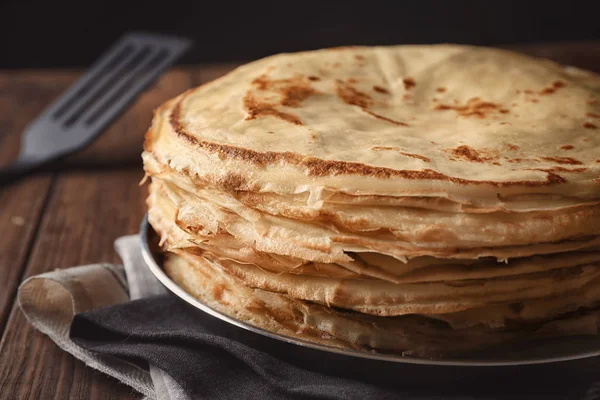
{"x":36,"y":33}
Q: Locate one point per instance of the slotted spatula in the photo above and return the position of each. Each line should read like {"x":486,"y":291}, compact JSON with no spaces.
{"x":77,"y":117}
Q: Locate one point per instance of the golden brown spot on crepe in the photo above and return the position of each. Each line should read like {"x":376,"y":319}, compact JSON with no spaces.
{"x":534,"y":100}
{"x":380,"y":89}
{"x":560,"y":169}
{"x":504,"y":111}
{"x":555,"y":86}
{"x":292,"y":92}
{"x":256,"y":109}
{"x":440,"y":89}
{"x":567,"y":147}
{"x":512,"y":147}
{"x":589,"y":125}
{"x":217,"y":292}
{"x":354,"y":97}
{"x":359,"y":57}
{"x":148,"y":139}
{"x":553,"y":178}
{"x":381,"y":117}
{"x":409,"y":83}
{"x":474,"y":107}
{"x":232,"y":182}
{"x":314,"y":78}
{"x":528,"y":91}
{"x":591,"y":101}
{"x":593,"y":115}
{"x":351,"y":80}
{"x":248,"y":198}
{"x":470,"y":154}
{"x":504,"y":123}
{"x":420,"y":157}
{"x":406,"y":96}
{"x":292,"y":96}
{"x":562,"y":160}
{"x":518,"y":160}
{"x":598,"y":161}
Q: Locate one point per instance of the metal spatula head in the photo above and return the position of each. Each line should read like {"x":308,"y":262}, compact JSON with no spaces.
{"x":95,"y":100}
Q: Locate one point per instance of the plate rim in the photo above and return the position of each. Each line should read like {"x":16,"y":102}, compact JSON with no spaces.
{"x":162,"y":277}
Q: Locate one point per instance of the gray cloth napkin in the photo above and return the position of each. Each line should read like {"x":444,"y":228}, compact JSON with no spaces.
{"x":49,"y":302}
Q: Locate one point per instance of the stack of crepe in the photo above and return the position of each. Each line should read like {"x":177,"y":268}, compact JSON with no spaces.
{"x":422,"y":200}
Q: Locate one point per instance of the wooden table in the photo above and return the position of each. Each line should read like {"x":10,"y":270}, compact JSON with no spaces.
{"x":71,"y":214}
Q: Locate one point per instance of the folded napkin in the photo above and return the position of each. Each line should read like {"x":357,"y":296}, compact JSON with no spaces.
{"x":121,"y":321}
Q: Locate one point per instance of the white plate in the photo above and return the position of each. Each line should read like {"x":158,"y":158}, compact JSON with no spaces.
{"x":558,"y":350}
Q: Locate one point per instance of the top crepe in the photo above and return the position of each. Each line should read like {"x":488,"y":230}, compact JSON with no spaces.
{"x":469,"y":124}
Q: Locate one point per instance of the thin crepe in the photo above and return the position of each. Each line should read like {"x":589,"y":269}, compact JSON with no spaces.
{"x":409,"y":335}
{"x":444,"y":120}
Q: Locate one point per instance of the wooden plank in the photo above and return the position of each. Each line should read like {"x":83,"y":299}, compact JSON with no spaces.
{"x":87,"y":211}
{"x":21,"y":206}
{"x":22,"y":97}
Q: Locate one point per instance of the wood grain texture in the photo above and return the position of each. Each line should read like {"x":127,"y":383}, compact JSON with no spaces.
{"x":22,"y":97}
{"x":21,"y":206}
{"x":85,"y":213}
